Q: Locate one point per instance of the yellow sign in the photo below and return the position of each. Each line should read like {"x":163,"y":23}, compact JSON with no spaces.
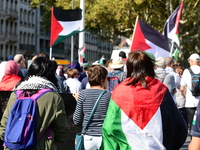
{"x":62,"y":62}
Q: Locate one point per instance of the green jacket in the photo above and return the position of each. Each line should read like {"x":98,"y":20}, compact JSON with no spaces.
{"x":52,"y":114}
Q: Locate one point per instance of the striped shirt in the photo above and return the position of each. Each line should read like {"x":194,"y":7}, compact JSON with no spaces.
{"x":86,"y":101}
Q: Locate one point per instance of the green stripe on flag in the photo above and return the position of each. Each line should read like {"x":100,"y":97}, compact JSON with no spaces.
{"x":175,"y":54}
{"x":61,"y":37}
{"x":112,"y":134}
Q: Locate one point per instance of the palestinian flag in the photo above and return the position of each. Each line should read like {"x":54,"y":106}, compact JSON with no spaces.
{"x":143,"y":119}
{"x":171,"y":30}
{"x":81,"y":54}
{"x":147,"y":39}
{"x":64,"y":23}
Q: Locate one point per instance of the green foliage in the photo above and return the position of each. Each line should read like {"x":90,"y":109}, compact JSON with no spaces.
{"x":117,"y":17}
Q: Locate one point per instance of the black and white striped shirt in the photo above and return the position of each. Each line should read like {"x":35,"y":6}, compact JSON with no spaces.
{"x":86,"y":101}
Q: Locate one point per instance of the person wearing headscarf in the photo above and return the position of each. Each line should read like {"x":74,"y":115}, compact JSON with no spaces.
{"x":10,"y":78}
{"x":2,"y":68}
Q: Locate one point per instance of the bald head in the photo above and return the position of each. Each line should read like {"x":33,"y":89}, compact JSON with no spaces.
{"x":169,"y":61}
{"x":19,"y":59}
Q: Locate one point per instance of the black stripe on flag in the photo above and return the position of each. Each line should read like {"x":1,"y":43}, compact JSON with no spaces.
{"x":171,"y":21}
{"x":154,"y":36}
{"x":68,"y":15}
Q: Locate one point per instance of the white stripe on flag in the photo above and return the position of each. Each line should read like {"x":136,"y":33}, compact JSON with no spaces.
{"x":172,"y":35}
{"x":69,"y":27}
{"x":157,"y":51}
{"x":150,"y":138}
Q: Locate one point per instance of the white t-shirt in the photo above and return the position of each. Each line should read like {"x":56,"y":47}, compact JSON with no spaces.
{"x":74,"y":85}
{"x":191,"y":101}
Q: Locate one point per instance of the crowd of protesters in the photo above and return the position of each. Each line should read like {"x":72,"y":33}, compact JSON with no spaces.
{"x":149,"y":107}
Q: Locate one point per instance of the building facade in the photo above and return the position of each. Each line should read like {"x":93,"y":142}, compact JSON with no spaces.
{"x":21,"y":32}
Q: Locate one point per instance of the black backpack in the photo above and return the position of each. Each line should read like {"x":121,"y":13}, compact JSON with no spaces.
{"x":195,"y":83}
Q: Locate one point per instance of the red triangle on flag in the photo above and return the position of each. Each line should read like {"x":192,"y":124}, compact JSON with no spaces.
{"x":139,"y":104}
{"x":138,"y":42}
{"x":56,"y":28}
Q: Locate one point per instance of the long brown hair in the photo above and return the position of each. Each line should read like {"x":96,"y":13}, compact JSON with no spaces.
{"x":139,"y":66}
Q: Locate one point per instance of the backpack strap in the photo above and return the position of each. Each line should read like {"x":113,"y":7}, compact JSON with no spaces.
{"x":192,"y":73}
{"x":40,"y":93}
{"x":49,"y":134}
{"x":36,"y":95}
{"x":18,"y":92}
{"x":190,"y":70}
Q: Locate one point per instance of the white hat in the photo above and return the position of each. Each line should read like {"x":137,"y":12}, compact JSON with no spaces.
{"x":194,"y":57}
{"x":117,"y":63}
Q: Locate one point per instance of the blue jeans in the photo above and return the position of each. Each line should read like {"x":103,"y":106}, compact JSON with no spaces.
{"x":92,"y":142}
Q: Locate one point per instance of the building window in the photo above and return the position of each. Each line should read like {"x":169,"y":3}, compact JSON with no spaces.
{"x":6,"y":4}
{"x":25,"y":17}
{"x":21,"y":16}
{"x":24,"y":38}
{"x":6,"y":54}
{"x":32,"y":19}
{"x":15,"y":28}
{"x":6,"y":26}
{"x":1,"y":27}
{"x":2,"y":3}
{"x":11,"y":49}
{"x":29,"y":18}
{"x":11,"y":4}
{"x":32,"y":39}
{"x":11,"y":27}
{"x":15,"y":5}
{"x":1,"y":51}
{"x":15,"y":49}
{"x":28,"y":38}
{"x":21,"y":38}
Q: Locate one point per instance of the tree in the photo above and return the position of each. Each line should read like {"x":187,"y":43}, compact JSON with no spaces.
{"x":107,"y":18}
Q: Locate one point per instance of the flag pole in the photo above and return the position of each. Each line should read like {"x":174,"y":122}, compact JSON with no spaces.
{"x":172,"y":48}
{"x":51,"y":36}
{"x":82,"y":25}
{"x":72,"y":40}
{"x":50,"y":53}
{"x":134,"y":31}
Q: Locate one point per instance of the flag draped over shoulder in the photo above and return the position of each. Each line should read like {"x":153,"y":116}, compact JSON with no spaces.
{"x":81,"y":54}
{"x":131,"y":119}
{"x":147,"y":39}
{"x":141,"y":118}
{"x":64,"y":23}
{"x":171,"y":29}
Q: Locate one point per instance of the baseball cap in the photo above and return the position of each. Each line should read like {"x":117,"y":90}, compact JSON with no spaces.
{"x":194,"y":57}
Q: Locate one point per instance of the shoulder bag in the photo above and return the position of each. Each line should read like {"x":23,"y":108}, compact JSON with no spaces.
{"x":79,"y":140}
